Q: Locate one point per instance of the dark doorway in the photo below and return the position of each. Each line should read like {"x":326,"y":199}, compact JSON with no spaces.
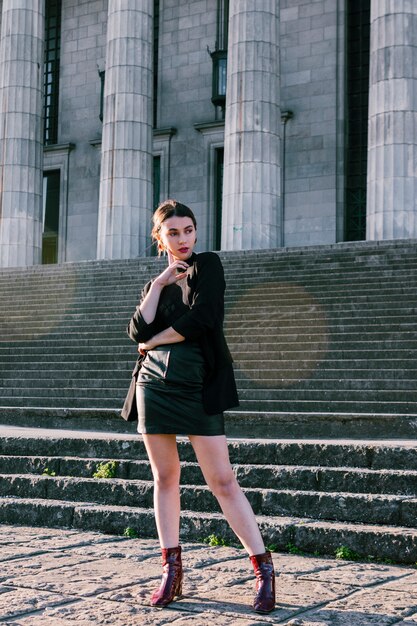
{"x":51,"y":217}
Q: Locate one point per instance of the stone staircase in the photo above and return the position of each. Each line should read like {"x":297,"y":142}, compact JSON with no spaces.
{"x":324,"y":441}
{"x":308,"y":495}
{"x":324,"y":340}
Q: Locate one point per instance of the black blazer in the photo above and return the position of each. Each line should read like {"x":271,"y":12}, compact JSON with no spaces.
{"x":203,"y":321}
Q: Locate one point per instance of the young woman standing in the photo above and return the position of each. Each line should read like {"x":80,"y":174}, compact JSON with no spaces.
{"x":184,"y":381}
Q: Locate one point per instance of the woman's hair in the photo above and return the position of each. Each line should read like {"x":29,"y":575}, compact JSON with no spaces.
{"x":167,"y":209}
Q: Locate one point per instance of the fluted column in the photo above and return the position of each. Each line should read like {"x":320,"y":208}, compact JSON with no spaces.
{"x":252,"y":162}
{"x":21,"y":132}
{"x":126,"y":163}
{"x":392,"y":139}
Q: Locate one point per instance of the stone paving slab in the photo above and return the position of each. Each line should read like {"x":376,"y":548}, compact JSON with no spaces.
{"x":51,"y":577}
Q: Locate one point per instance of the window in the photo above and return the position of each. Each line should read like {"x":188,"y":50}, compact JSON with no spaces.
{"x":218,"y":197}
{"x":357,"y":87}
{"x":156,"y":180}
{"x":156,"y":192}
{"x":219,"y":56}
{"x":51,"y":70}
{"x":222,"y":24}
{"x":155,"y":60}
{"x":51,"y":189}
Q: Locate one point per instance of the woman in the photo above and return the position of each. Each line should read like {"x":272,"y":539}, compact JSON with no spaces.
{"x":184,"y":381}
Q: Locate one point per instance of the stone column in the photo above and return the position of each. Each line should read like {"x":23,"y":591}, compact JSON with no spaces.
{"x":125,"y":206}
{"x":252,"y":161}
{"x":21,"y":132}
{"x":392,"y":135}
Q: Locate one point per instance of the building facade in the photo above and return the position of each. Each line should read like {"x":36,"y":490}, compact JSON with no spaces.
{"x":293,"y":123}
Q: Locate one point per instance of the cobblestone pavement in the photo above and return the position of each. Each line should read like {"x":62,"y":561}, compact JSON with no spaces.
{"x":53,"y":577}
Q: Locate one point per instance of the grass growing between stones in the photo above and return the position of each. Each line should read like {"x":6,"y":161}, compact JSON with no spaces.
{"x":106,"y":470}
{"x":343,"y":552}
{"x":48,"y":472}
{"x":130,"y":533}
{"x":215,"y":540}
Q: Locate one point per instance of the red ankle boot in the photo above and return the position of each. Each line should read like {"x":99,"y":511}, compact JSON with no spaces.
{"x":263,"y":566}
{"x":171,"y":583}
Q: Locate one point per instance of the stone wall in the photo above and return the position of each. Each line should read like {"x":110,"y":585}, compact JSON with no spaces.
{"x":311,"y":62}
{"x":83,"y":48}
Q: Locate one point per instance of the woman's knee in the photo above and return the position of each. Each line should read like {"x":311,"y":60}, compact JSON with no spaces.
{"x":166,"y":478}
{"x":224,"y":485}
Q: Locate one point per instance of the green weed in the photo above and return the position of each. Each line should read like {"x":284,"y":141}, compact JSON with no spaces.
{"x":343,"y":552}
{"x":131,"y":533}
{"x":48,"y":472}
{"x":214,"y":540}
{"x":106,"y":470}
{"x":292,"y":549}
{"x":272,"y":547}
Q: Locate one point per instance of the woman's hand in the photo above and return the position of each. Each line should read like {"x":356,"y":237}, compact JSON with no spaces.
{"x":177,"y":270}
{"x":144,"y":347}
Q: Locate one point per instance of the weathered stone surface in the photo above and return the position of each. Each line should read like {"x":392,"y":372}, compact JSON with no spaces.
{"x":103,"y":613}
{"x":118,"y":576}
{"x":323,"y":617}
{"x":90,"y":578}
{"x":359,"y":574}
{"x":15,"y":601}
{"x":380,"y":601}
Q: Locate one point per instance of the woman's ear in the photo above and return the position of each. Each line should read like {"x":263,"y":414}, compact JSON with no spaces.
{"x":160,"y":246}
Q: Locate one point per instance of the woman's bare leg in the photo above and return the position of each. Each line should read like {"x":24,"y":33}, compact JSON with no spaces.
{"x":163,"y":456}
{"x":213,"y":457}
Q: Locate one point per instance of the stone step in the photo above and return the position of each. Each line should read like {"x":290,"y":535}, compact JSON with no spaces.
{"x":329,"y":405}
{"x":254,"y":476}
{"x":382,"y":542}
{"x":330,"y":290}
{"x":246,"y":300}
{"x":276,"y":292}
{"x":114,"y":401}
{"x":289,"y":331}
{"x":253,"y":396}
{"x":378,"y":326}
{"x":371,"y":454}
{"x":369,"y":254}
{"x":240,"y":352}
{"x":75,"y":379}
{"x":309,"y":310}
{"x":236,"y":343}
{"x":340,"y":506}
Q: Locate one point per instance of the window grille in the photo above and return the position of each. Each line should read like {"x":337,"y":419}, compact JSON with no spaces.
{"x":155,"y":61}
{"x":357,"y":88}
{"x":51,"y":70}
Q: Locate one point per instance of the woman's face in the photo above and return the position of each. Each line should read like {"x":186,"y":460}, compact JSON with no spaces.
{"x":178,"y":237}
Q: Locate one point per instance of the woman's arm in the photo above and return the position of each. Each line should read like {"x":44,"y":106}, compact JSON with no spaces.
{"x":169,"y":276}
{"x":149,"y":304}
{"x":169,"y":335}
{"x":207,"y":306}
{"x":137,"y":329}
{"x":140,"y":327}
{"x":205,"y":311}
